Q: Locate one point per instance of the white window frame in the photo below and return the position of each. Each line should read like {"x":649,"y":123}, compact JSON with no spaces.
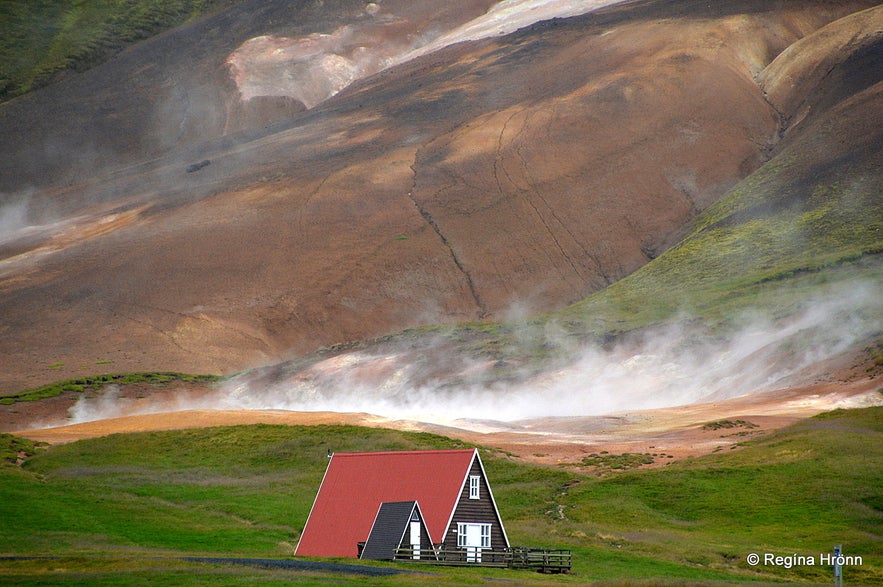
{"x":475,"y":487}
{"x":485,"y":533}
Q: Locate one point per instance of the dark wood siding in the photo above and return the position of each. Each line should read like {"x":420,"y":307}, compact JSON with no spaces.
{"x":475,"y":511}
{"x":392,"y":530}
{"x":425,"y":542}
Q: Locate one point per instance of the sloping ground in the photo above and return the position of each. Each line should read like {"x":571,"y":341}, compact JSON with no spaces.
{"x":813,"y":213}
{"x":45,"y":41}
{"x":524,"y":171}
{"x":773,"y":286}
{"x":247,"y":490}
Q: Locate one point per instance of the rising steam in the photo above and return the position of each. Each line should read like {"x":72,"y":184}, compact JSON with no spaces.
{"x":13,"y":215}
{"x":664,"y":367}
{"x":315,"y":67}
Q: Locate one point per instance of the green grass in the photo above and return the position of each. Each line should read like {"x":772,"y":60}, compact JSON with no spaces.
{"x":128,"y":507}
{"x":96,"y":382}
{"x":14,"y":450}
{"x":801,"y":490}
{"x":617,"y":462}
{"x":41,"y":38}
{"x":765,"y":245}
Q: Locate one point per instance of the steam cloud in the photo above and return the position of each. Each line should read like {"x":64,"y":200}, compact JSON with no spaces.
{"x":313,"y":68}
{"x":665,"y":367}
{"x":669,"y":366}
{"x":13,"y":215}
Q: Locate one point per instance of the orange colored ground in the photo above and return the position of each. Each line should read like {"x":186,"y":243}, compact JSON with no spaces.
{"x":670,"y":433}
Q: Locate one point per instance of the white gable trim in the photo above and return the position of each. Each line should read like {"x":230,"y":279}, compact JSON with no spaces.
{"x":493,"y":501}
{"x":374,"y":523}
{"x":408,"y":525}
{"x":315,"y":499}
{"x":489,"y":491}
{"x":459,"y":493}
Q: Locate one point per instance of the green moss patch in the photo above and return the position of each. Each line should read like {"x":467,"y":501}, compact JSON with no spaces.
{"x":96,"y":382}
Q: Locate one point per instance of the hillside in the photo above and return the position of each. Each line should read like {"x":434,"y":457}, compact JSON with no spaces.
{"x":128,"y":508}
{"x":502,"y":176}
{"x":43,"y":42}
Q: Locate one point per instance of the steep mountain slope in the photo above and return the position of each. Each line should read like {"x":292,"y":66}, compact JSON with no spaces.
{"x":775,"y":286}
{"x":520,"y":171}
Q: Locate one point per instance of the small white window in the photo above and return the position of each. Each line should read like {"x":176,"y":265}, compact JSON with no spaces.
{"x":474,"y":484}
{"x":485,"y":535}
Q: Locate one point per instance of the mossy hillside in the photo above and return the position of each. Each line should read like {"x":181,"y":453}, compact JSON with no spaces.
{"x":14,"y":450}
{"x":41,"y":38}
{"x":231,"y":490}
{"x":779,"y":237}
{"x":246,"y":491}
{"x":94,"y":383}
{"x":790,"y":233}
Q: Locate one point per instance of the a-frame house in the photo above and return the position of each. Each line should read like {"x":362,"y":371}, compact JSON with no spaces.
{"x":449,"y":491}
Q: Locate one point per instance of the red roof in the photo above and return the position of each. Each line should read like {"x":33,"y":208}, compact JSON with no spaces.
{"x":355,"y":485}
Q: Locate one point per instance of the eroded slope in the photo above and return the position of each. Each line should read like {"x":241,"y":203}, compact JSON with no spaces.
{"x":523,"y":171}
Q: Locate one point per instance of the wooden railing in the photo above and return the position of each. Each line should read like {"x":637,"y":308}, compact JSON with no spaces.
{"x":541,"y":560}
{"x":544,"y":561}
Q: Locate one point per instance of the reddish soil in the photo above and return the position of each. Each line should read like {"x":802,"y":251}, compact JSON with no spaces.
{"x":525,"y":170}
{"x":521,"y":171}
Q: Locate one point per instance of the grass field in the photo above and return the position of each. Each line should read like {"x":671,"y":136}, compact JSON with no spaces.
{"x":127,"y":509}
{"x":42,"y":38}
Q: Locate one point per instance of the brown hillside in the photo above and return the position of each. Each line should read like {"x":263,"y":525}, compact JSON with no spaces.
{"x":830,"y":66}
{"x":521,"y":171}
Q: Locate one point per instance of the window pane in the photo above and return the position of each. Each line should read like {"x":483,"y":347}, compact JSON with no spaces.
{"x":474,"y":482}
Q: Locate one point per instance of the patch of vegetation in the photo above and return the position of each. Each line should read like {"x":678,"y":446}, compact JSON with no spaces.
{"x":94,"y":383}
{"x":770,"y":242}
{"x":617,"y":462}
{"x":15,"y":450}
{"x":727,"y":424}
{"x":43,"y":38}
{"x":873,"y":355}
{"x":801,"y":489}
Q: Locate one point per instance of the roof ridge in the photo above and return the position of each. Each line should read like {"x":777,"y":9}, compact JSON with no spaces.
{"x":405,"y":452}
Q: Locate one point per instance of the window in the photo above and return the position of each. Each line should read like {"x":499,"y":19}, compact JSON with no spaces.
{"x":474,"y":484}
{"x":485,"y":535}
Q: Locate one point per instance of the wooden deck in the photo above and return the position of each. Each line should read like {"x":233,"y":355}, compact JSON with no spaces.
{"x":540,"y":560}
